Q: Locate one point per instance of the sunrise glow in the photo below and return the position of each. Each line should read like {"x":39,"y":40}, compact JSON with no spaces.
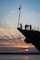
{"x":27,"y":50}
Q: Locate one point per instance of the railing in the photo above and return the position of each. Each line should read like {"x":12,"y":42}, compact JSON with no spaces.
{"x":29,"y":28}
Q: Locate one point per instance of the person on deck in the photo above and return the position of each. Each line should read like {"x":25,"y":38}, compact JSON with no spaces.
{"x":26,"y":26}
{"x":21,"y":26}
{"x":30,"y":27}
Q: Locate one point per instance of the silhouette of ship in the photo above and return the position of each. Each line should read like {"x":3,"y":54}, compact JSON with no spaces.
{"x":32,"y":36}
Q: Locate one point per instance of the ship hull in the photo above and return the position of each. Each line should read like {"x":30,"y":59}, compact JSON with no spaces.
{"x":31,"y":37}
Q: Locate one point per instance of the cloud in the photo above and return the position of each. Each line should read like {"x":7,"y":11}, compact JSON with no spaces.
{"x":27,"y":17}
{"x":30,"y":17}
{"x":11,"y":38}
{"x":9,"y":20}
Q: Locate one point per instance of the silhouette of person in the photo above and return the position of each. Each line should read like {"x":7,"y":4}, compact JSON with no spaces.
{"x":26,"y":26}
{"x":21,"y":26}
{"x":30,"y":27}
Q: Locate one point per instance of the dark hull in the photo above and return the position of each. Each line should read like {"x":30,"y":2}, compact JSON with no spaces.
{"x":31,"y":37}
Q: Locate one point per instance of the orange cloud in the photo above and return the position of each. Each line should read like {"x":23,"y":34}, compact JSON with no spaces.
{"x":10,"y":38}
{"x":19,"y":45}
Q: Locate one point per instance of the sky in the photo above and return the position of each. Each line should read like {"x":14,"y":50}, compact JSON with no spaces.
{"x":9,"y":12}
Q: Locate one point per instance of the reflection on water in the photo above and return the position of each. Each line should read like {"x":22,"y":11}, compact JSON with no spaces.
{"x":19,"y":57}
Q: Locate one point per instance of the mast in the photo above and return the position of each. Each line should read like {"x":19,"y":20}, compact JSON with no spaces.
{"x":19,"y":15}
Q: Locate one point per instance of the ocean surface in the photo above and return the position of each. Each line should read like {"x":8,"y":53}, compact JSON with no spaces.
{"x":19,"y":57}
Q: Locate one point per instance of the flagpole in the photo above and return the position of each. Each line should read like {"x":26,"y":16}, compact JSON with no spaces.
{"x":19,"y":15}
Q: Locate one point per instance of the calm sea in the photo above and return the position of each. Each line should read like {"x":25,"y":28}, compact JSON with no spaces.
{"x":19,"y":57}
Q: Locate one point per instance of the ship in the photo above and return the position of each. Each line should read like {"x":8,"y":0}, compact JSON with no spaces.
{"x":32,"y":36}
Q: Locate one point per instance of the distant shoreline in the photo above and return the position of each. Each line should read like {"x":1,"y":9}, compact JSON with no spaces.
{"x":22,"y":53}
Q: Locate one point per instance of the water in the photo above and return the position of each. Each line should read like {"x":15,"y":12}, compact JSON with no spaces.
{"x":19,"y":57}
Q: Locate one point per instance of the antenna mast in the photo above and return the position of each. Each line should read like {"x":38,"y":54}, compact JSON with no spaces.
{"x":19,"y":15}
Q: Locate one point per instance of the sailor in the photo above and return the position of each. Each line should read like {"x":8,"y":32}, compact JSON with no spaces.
{"x":26,"y":26}
{"x":21,"y":26}
{"x":30,"y":27}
